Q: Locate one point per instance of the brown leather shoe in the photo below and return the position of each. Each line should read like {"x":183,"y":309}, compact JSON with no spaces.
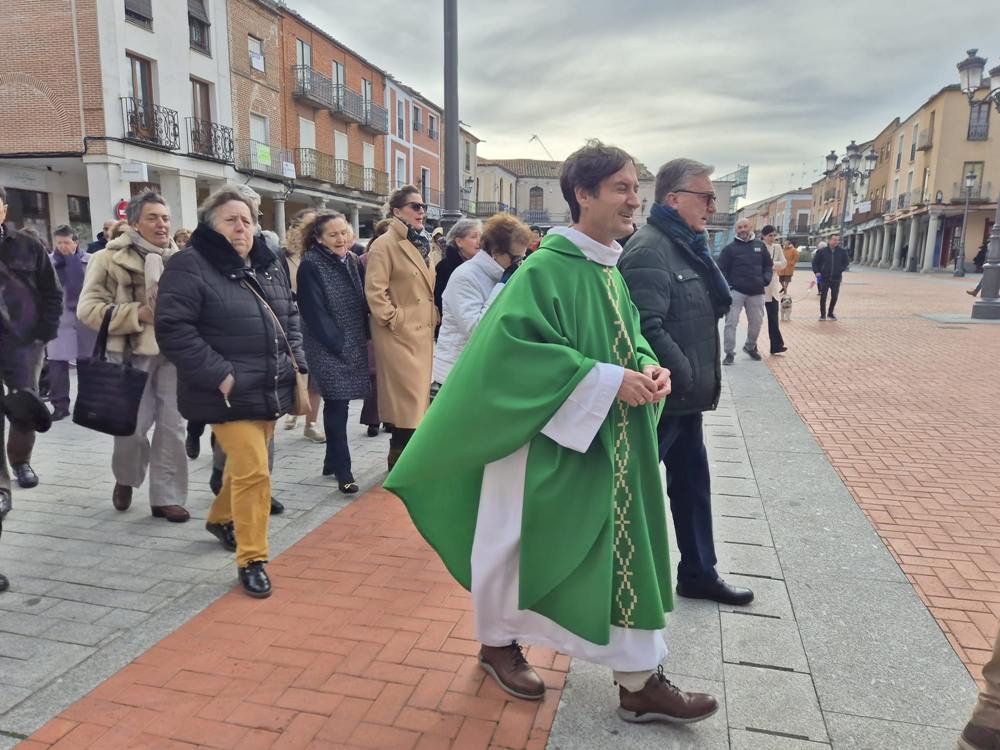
{"x":173,"y":513}
{"x":661,"y":700}
{"x":507,"y":665}
{"x":122,"y":496}
{"x":979,"y":738}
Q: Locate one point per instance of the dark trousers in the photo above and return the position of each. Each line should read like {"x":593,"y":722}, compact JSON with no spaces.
{"x":59,"y":384}
{"x":833,"y":287}
{"x":19,"y":370}
{"x":689,"y":487}
{"x":338,"y":454}
{"x":196,"y":429}
{"x":773,"y":329}
{"x":369,"y":411}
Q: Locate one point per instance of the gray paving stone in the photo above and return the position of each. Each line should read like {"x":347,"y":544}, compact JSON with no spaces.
{"x":79,"y":611}
{"x":742,"y":530}
{"x":82,"y":633}
{"x":741,"y":739}
{"x":770,"y":598}
{"x":772,"y":700}
{"x":694,"y":640}
{"x":762,"y":641}
{"x":747,"y":560}
{"x":722,"y":485}
{"x":910,"y":672}
{"x":863,"y":733}
{"x":20,"y":623}
{"x":733,"y":505}
{"x":10,"y":696}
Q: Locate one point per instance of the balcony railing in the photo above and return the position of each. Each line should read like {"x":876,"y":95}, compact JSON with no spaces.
{"x":376,"y":118}
{"x":918,"y":198}
{"x":210,"y":140}
{"x":979,"y":131}
{"x":925,"y":140}
{"x":311,"y":164}
{"x":979,"y":193}
{"x":264,"y":159}
{"x":432,"y":133}
{"x":485,"y":209}
{"x":150,"y":123}
{"x":311,"y":86}
{"x":347,"y":104}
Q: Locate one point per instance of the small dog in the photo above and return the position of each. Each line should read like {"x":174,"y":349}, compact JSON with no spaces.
{"x":786,"y":308}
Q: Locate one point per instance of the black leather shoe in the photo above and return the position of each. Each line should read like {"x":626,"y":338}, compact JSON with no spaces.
{"x":752,"y":353}
{"x":225,"y":533}
{"x":60,"y":412}
{"x":255,"y":581}
{"x":192,"y":446}
{"x":372,"y":430}
{"x":26,"y":476}
{"x":5,"y":503}
{"x":215,"y":482}
{"x":717,"y":591}
{"x":276,"y":508}
{"x":4,"y":583}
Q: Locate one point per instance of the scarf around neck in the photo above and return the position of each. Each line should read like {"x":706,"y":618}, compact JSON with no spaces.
{"x":671,"y":223}
{"x":419,"y":241}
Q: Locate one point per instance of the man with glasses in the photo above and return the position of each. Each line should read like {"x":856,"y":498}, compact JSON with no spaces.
{"x":748,"y":268}
{"x":681,"y":294}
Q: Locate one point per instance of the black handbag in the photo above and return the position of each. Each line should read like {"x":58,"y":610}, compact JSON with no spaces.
{"x":108,"y":393}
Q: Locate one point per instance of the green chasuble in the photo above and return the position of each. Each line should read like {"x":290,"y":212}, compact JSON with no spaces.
{"x":593,"y":548}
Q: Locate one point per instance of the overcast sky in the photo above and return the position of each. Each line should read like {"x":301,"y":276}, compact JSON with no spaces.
{"x":769,"y":83}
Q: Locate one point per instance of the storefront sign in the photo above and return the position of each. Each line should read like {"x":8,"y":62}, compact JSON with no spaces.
{"x":134,"y":171}
{"x":288,"y":170}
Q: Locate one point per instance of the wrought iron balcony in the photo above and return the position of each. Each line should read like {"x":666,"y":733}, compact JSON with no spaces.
{"x":376,"y":118}
{"x":486,"y":209}
{"x":311,"y":164}
{"x":376,"y":181}
{"x":980,"y":193}
{"x":311,"y":86}
{"x":210,"y":140}
{"x":150,"y":123}
{"x":347,"y":104}
{"x":538,"y":216}
{"x":263,"y":159}
{"x":979,"y":131}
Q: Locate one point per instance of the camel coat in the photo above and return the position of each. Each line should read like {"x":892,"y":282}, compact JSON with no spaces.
{"x":400,"y":291}
{"x":791,"y":258}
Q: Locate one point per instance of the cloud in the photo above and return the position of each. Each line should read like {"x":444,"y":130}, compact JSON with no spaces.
{"x":764,"y":82}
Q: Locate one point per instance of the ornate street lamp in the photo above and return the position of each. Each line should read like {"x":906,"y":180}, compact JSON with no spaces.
{"x":970,"y":73}
{"x":970,"y":182}
{"x":850,"y":172}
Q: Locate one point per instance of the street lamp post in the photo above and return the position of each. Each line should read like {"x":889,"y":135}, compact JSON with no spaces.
{"x":850,"y":171}
{"x":970,"y":72}
{"x":970,"y":181}
{"x":452,"y":140}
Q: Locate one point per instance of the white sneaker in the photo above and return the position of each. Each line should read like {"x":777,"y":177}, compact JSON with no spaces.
{"x":290,"y":421}
{"x":311,"y":433}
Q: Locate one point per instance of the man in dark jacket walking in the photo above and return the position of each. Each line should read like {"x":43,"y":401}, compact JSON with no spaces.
{"x":747,"y":266}
{"x":30,"y":304}
{"x":829,"y":265}
{"x":681,"y":294}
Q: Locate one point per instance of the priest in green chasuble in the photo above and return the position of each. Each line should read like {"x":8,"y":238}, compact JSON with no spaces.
{"x":535,"y":473}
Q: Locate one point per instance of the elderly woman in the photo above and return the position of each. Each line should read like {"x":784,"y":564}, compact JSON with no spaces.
{"x":463,"y":243}
{"x":475,"y":285}
{"x":295,"y":247}
{"x":226,"y":319}
{"x":399,"y":285}
{"x":334,"y":312}
{"x":181,"y":238}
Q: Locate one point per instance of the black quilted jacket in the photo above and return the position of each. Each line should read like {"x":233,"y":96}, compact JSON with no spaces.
{"x":210,"y":325}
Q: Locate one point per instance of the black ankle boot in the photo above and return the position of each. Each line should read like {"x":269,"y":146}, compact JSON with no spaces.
{"x":255,"y":581}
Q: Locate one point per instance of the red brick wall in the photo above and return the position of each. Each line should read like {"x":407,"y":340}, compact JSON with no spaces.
{"x":324,"y":52}
{"x":39,"y":97}
{"x":254,"y":91}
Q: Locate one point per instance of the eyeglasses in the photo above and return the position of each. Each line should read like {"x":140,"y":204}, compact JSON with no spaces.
{"x":420,"y":207}
{"x":710,"y":198}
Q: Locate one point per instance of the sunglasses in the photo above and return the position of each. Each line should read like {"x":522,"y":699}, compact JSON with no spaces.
{"x":420,"y":207}
{"x":710,"y":198}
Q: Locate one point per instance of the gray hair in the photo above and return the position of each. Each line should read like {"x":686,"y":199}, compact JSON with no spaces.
{"x":134,"y":211}
{"x":677,"y":174}
{"x":253,"y":198}
{"x":208,"y":207}
{"x":463,"y":228}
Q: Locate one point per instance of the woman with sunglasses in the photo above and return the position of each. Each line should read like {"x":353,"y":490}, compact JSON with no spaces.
{"x":399,"y":285}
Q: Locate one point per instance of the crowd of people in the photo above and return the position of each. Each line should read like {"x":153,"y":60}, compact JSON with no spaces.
{"x":591,"y":361}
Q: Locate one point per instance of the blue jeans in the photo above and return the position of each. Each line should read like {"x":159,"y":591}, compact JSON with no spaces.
{"x":689,"y":487}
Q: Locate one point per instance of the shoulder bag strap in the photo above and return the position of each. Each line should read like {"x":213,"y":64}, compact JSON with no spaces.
{"x":101,"y":344}
{"x":295,"y":364}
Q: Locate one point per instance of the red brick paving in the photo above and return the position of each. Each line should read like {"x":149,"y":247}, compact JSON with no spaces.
{"x":367,"y":642}
{"x":907,"y":410}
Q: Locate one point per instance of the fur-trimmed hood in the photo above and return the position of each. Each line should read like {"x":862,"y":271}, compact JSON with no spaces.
{"x":216,"y":250}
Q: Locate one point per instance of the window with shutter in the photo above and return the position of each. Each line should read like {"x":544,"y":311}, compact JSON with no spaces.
{"x":198,"y":26}
{"x":140,"y":12}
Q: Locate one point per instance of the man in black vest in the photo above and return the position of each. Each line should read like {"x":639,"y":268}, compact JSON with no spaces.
{"x":681,"y":294}
{"x":829,"y":265}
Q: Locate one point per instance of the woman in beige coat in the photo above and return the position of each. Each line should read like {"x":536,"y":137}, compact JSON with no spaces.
{"x":399,"y":285}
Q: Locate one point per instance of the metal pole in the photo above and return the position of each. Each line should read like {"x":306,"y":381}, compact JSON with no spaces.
{"x":988,"y":308}
{"x":960,"y":255}
{"x":452,"y":139}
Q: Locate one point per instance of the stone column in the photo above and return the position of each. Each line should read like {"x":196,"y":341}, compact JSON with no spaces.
{"x":932,"y":232}
{"x":355,"y":218}
{"x":912,"y":255}
{"x":897,"y":247}
{"x":861,"y":258}
{"x":181,"y":193}
{"x":104,"y":188}
{"x":279,"y":217}
{"x":873,"y":246}
{"x":884,"y":255}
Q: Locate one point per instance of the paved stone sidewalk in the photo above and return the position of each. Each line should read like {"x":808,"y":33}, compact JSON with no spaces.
{"x":901,"y":393}
{"x":92,"y":588}
{"x":836,"y":651}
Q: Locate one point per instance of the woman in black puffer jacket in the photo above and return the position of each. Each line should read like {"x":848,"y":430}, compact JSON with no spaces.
{"x":225,"y":318}
{"x":331,"y":296}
